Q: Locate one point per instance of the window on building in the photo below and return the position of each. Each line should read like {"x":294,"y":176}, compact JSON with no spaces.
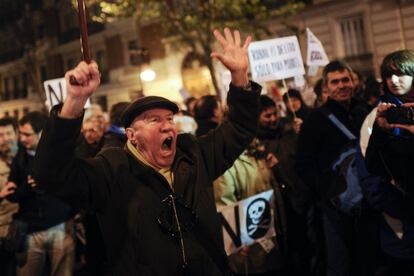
{"x":15,"y":93}
{"x":6,"y":94}
{"x":137,"y":55}
{"x":101,"y":61}
{"x":353,"y":35}
{"x":25,"y":87}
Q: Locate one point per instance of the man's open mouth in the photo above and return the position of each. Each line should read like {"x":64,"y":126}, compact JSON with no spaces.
{"x":167,"y":143}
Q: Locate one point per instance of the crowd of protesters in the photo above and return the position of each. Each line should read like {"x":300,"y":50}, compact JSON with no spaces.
{"x":61,"y":227}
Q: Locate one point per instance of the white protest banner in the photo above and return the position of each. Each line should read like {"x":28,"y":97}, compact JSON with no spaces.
{"x":248,"y":221}
{"x":316,"y":52}
{"x":56,"y":92}
{"x":275,"y":59}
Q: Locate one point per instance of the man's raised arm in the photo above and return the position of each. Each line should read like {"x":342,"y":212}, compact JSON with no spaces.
{"x":88,"y":80}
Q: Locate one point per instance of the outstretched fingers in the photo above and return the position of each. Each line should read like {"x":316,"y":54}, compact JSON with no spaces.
{"x":247,"y":42}
{"x":220,"y":38}
{"x":237,"y":39}
{"x":229,"y":36}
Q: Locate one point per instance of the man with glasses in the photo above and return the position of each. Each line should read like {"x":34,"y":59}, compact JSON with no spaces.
{"x":44,"y":214}
{"x":154,"y":197}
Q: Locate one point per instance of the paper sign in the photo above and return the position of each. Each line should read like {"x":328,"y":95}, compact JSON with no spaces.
{"x":316,"y":52}
{"x":56,"y":92}
{"x":275,"y":59}
{"x":248,"y":221}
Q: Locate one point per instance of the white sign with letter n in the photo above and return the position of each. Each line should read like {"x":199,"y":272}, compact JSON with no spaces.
{"x":248,"y":221}
{"x":275,"y":59}
{"x":56,"y":92}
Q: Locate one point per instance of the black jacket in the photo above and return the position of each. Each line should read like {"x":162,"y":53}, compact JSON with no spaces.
{"x":391,"y":155}
{"x":127,"y":196}
{"x":319,"y":144}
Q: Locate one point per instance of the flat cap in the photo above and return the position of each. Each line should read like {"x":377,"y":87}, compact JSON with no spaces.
{"x":144,"y":104}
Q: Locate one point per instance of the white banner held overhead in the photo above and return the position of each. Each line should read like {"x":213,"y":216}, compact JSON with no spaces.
{"x":275,"y":59}
{"x":316,"y":52}
{"x":248,"y":221}
{"x":56,"y":92}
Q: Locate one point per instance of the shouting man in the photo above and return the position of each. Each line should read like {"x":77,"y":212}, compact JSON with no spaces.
{"x":154,"y":198}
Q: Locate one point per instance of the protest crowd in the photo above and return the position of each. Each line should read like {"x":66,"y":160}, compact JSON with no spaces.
{"x":264,"y":184}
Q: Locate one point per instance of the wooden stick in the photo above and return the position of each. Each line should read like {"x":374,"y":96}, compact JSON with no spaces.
{"x":83,"y":32}
{"x":83,"y":38}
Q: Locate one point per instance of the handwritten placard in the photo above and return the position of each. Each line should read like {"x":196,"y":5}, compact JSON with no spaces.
{"x":275,"y":59}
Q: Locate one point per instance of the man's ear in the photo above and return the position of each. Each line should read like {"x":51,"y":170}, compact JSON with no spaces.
{"x":130,"y":135}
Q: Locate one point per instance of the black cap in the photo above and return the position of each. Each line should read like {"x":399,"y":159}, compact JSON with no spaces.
{"x":144,"y":104}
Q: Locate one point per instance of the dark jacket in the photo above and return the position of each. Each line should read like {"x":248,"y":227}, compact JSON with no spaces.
{"x":114,"y":137}
{"x":390,"y":154}
{"x":319,"y":144}
{"x":127,"y":196}
{"x":85,"y":150}
{"x":282,"y":143}
{"x":204,"y":126}
{"x":37,"y":208}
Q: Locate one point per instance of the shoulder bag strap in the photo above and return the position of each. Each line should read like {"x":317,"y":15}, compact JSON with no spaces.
{"x":341,"y":127}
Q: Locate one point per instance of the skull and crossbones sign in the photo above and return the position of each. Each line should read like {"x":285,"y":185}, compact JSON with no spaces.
{"x":258,"y":217}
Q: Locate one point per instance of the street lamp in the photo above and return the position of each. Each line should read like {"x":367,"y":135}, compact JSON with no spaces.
{"x":147,"y":75}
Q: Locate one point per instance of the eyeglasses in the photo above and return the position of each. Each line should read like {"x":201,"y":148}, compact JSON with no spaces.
{"x":177,"y":217}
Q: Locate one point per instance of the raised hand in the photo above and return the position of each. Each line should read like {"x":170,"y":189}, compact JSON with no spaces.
{"x":234,"y":56}
{"x":87,"y":76}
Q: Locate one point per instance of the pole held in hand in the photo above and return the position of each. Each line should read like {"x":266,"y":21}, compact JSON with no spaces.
{"x":83,"y":38}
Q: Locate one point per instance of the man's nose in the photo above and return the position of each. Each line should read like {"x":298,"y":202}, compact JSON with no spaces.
{"x":167,"y":125}
{"x":341,"y":84}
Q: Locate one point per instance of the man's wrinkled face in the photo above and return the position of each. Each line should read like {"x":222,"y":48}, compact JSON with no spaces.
{"x":399,"y":84}
{"x":28,"y":137}
{"x":8,"y":138}
{"x":268,"y":118}
{"x":154,"y":135}
{"x":340,"y":86}
{"x":92,"y":131}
